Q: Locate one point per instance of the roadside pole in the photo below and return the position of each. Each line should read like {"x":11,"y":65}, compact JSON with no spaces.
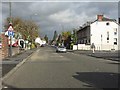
{"x":10,"y":34}
{"x":10,"y":30}
{"x":10,"y":46}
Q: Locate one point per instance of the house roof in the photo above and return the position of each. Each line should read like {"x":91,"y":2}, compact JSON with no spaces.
{"x":82,"y":28}
{"x":103,"y":19}
{"x":107,"y":19}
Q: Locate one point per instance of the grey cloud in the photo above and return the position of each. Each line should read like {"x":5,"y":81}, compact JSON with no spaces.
{"x":93,"y":8}
{"x":53,"y":16}
{"x":61,"y":0}
{"x":119,"y":9}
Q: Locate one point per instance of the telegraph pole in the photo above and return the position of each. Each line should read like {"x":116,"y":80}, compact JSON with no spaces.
{"x":10,"y":23}
{"x":10,"y":9}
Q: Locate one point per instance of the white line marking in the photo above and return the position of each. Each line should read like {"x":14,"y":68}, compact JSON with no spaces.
{"x":38,"y":50}
{"x":5,"y":87}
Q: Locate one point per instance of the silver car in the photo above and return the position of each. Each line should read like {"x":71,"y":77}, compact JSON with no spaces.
{"x":61,"y":49}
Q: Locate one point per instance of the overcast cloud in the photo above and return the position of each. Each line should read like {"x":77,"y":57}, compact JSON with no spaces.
{"x":59,"y":16}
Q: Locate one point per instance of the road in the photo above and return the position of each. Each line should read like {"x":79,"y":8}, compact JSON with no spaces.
{"x":48,"y":69}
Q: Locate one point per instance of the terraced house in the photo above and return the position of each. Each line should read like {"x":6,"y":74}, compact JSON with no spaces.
{"x":103,"y":32}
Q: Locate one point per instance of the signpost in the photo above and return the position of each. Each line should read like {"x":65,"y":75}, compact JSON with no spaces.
{"x":10,"y":31}
{"x":10,"y":34}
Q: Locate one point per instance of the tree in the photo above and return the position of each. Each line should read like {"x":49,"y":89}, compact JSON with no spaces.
{"x":54,"y":41}
{"x":66,"y":36}
{"x":55,"y":36}
{"x":28,"y":29}
{"x":59,"y":40}
{"x":74,"y":37}
{"x":46,"y":38}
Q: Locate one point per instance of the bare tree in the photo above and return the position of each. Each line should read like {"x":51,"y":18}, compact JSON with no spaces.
{"x":28,"y":29}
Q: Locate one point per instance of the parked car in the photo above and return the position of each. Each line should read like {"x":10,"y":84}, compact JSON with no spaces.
{"x":43,"y":45}
{"x":61,"y":49}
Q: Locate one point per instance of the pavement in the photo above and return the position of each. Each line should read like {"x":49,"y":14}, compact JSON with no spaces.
{"x":107,"y":55}
{"x":10,"y":62}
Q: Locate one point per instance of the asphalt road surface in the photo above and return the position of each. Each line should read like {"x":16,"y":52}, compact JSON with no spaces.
{"x":48,"y":69}
{"x":10,"y":62}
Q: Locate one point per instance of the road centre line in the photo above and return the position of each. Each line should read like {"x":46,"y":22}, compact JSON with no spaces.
{"x":38,"y":50}
{"x":73,"y":53}
{"x":56,"y":56}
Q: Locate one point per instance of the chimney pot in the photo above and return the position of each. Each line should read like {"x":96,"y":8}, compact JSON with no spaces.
{"x":99,"y":17}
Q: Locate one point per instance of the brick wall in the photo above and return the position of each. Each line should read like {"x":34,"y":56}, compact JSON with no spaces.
{"x":4,"y":45}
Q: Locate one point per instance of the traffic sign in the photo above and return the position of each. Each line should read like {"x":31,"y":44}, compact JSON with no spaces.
{"x":10,"y":28}
{"x":10,"y":33}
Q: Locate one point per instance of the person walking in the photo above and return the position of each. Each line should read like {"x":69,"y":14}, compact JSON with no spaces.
{"x":93,"y":48}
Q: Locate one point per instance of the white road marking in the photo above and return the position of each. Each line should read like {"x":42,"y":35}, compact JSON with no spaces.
{"x":56,"y":56}
{"x":74,"y":53}
{"x":48,"y":50}
{"x":97,"y":69}
{"x":5,"y":87}
{"x":54,"y":53}
{"x":61,"y":56}
{"x":38,"y":50}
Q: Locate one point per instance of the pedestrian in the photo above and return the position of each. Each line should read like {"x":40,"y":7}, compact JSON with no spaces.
{"x":93,"y":48}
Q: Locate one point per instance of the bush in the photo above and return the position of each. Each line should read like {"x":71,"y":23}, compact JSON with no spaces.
{"x":32,"y":45}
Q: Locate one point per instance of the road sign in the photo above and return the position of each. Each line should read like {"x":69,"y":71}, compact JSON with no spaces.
{"x":10,"y":33}
{"x":10,"y":28}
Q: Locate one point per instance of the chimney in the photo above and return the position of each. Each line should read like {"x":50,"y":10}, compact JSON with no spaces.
{"x":99,"y":17}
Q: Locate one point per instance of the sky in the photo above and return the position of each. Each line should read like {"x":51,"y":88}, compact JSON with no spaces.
{"x":59,"y":15}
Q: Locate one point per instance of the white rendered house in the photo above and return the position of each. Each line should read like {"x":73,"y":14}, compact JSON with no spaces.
{"x":104,"y":33}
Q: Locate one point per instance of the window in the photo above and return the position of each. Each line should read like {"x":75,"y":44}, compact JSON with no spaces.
{"x":85,"y":41}
{"x":115,"y":31}
{"x":89,"y":40}
{"x":115,"y":41}
{"x":107,"y":23}
{"x":107,"y":35}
